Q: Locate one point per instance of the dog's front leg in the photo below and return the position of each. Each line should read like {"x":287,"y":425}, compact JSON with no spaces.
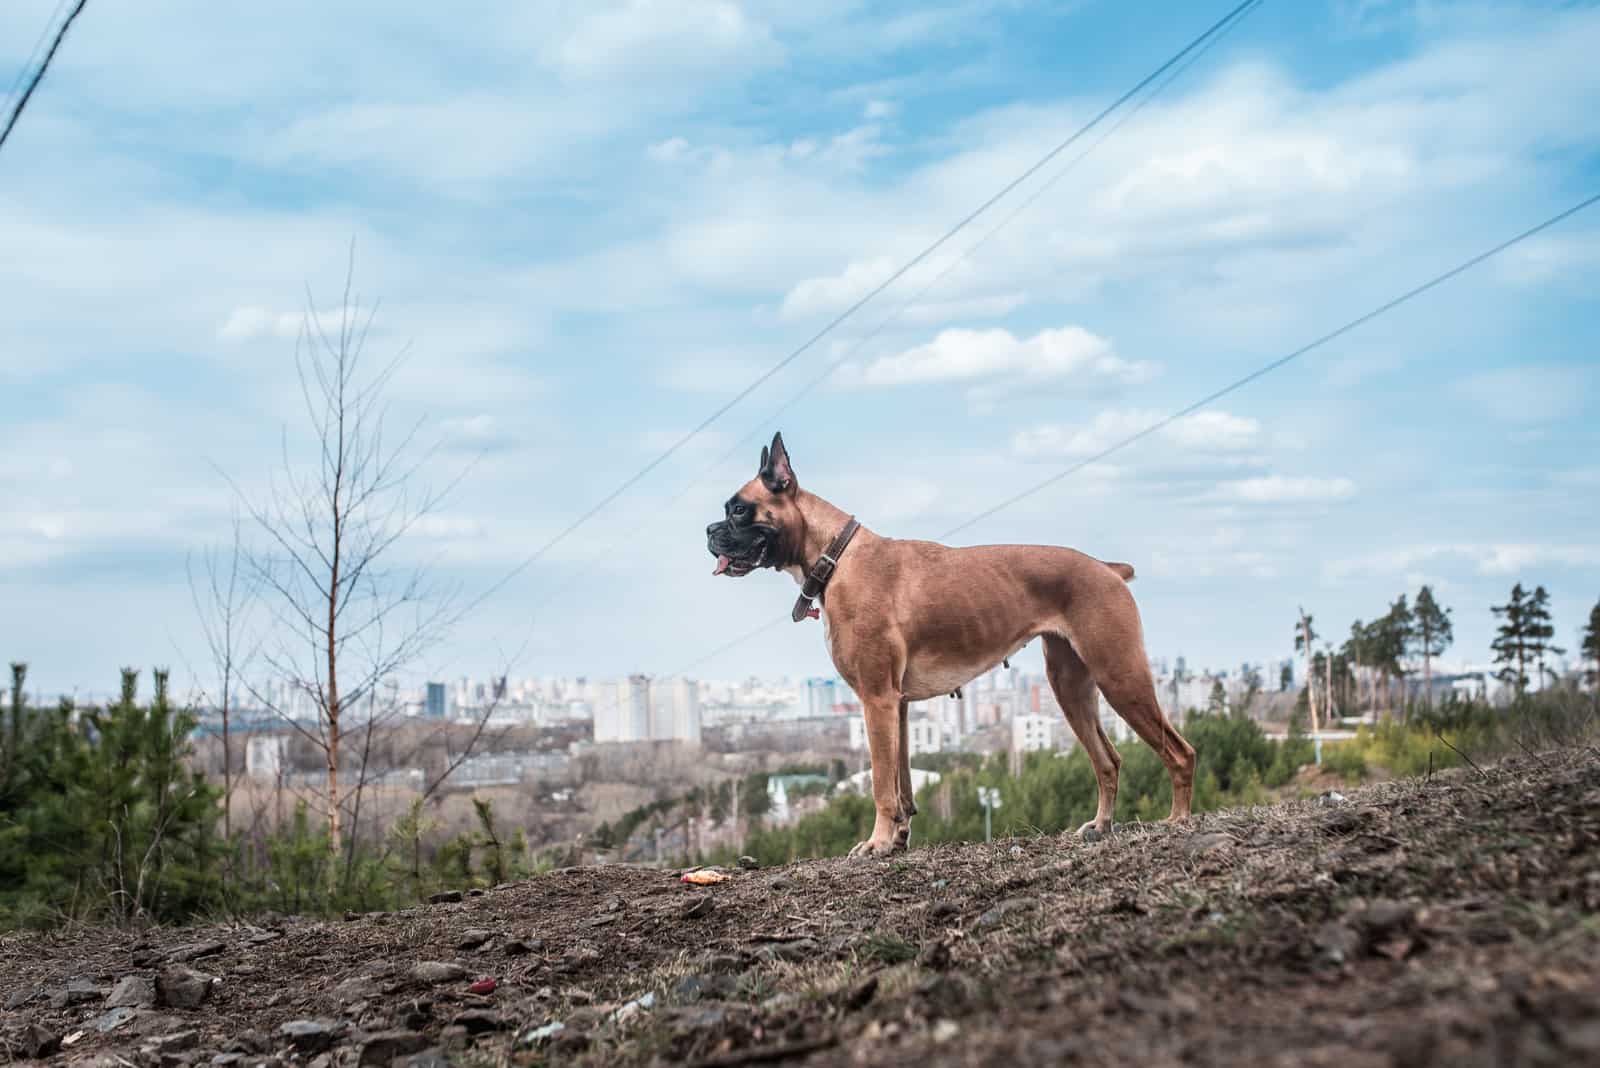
{"x":882,"y":716}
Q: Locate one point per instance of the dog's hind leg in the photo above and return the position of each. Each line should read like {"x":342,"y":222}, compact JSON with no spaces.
{"x":1112,"y":645}
{"x":1074,"y":689}
{"x":908,"y":800}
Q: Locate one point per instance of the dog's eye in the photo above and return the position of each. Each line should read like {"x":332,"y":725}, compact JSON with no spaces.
{"x":741,"y":509}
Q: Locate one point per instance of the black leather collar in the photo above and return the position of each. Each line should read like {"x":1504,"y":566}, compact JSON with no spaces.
{"x":817,"y":578}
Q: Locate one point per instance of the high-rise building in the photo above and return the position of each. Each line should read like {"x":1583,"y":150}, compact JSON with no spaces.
{"x":436,"y":700}
{"x":675,"y":711}
{"x":622,"y":710}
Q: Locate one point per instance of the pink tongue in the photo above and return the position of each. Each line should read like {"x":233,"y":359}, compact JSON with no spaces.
{"x":722,"y":565}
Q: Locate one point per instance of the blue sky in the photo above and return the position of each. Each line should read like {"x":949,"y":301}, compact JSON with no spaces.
{"x":593,"y":223}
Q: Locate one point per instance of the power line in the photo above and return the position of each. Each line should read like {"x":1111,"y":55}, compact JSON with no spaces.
{"x":1265,"y":369}
{"x":1215,"y":395}
{"x":911,"y":264}
{"x":33,"y":53}
{"x":38,"y":75}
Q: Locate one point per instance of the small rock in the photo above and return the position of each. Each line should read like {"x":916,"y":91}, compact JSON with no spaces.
{"x":248,"y":1042}
{"x":690,"y":1020}
{"x":223,"y":1059}
{"x":150,"y":1024}
{"x":721,"y":963}
{"x":434,"y":971}
{"x":132,"y":992}
{"x":308,"y":1036}
{"x":1202,"y":844}
{"x":433,"y":1057}
{"x":1006,"y":908}
{"x":356,"y":988}
{"x":112,"y":1020}
{"x":945,"y":1030}
{"x":940,"y":909}
{"x":261,"y":938}
{"x":1332,"y":797}
{"x":799,"y":950}
{"x":1337,"y":943}
{"x":1384,"y":918}
{"x":193,"y":951}
{"x":480,"y":1021}
{"x":749,"y":863}
{"x":476,"y":892}
{"x":474,"y":938}
{"x":600,"y":920}
{"x":385,"y":1046}
{"x":182,"y":988}
{"x":39,"y":1042}
{"x":629,"y":1010}
{"x":699,"y":907}
{"x":780,"y":885}
{"x":1016,"y":852}
{"x":76,"y":992}
{"x":176,"y":1042}
{"x":939,"y":884}
{"x":20,"y":998}
{"x":445,"y":897}
{"x":518,"y":947}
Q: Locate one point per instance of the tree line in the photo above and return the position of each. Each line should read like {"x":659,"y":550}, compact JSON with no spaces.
{"x":103,"y":818}
{"x":1384,"y":655}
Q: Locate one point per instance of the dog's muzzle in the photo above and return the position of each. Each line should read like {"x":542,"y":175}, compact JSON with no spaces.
{"x":739,"y":550}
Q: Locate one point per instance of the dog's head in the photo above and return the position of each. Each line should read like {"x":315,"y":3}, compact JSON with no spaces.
{"x":761,"y":524}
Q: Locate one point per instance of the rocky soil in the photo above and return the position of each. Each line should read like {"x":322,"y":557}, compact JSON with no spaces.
{"x":1447,"y":920}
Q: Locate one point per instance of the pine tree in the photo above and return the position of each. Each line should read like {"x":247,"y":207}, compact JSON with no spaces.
{"x":1218,"y":703}
{"x":1433,"y":635}
{"x":1540,"y":631}
{"x":1510,"y":645}
{"x":112,"y":823}
{"x":1304,"y":636}
{"x":1591,"y":646}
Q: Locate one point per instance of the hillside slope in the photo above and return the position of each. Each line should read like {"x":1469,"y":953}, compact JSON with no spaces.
{"x":1443,"y":920}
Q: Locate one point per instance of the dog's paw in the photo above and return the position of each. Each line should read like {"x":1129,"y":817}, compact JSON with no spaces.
{"x":1091,"y":833}
{"x":873,"y":847}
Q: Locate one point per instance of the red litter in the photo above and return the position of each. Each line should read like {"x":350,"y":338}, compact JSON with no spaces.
{"x":483,"y":986}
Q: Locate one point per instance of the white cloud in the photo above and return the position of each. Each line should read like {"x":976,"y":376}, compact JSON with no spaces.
{"x":253,"y":323}
{"x":1281,"y":489}
{"x":1206,"y":431}
{"x":961,"y":355}
{"x":1490,"y":559}
{"x":664,"y":39}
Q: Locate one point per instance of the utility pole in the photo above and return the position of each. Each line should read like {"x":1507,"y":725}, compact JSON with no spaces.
{"x":989,"y":797}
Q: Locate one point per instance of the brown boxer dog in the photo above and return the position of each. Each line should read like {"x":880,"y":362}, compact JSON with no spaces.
{"x":910,"y":620}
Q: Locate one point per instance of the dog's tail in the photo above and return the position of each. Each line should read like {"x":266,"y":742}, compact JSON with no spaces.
{"x":1125,"y":570}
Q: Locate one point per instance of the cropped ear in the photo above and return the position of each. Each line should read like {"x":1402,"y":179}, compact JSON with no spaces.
{"x":777,"y":474}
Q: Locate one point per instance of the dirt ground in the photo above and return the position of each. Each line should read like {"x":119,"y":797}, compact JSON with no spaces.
{"x":1450,"y":920}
